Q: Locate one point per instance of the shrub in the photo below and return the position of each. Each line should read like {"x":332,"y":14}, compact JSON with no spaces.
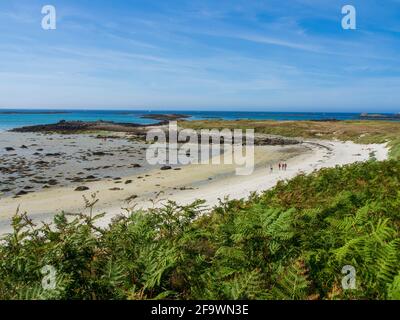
{"x":287,"y":243}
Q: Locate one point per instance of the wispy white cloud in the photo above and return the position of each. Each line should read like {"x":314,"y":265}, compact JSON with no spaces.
{"x":249,"y":53}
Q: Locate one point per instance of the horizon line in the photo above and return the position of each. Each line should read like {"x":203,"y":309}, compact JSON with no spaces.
{"x":206,"y":109}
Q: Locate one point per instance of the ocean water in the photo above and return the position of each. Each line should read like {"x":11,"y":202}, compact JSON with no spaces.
{"x":13,"y":118}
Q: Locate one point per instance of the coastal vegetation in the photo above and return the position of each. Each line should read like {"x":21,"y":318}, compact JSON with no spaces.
{"x":290,"y":242}
{"x":363,"y":132}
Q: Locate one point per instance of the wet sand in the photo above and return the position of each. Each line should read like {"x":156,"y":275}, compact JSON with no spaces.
{"x":116,"y":171}
{"x":31,"y":162}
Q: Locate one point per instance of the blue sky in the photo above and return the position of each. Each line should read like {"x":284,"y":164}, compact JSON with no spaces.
{"x":201,"y":54}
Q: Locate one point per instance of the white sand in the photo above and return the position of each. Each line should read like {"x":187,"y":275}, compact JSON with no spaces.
{"x":310,"y":156}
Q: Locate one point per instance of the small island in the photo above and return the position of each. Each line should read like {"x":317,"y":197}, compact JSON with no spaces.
{"x":379,"y":116}
{"x":84,"y":126}
{"x":166,"y":117}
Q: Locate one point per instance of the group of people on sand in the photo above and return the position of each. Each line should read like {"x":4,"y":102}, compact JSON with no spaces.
{"x":282,"y":166}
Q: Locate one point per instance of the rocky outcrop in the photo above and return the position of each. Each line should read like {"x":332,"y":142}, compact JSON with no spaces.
{"x":83,"y":126}
{"x":166,"y":117}
{"x":368,"y":116}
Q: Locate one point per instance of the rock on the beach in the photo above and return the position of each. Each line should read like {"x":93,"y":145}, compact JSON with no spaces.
{"x":9,"y":149}
{"x":82,"y":188}
{"x":52,"y":182}
{"x":131,"y":198}
{"x":57,"y":154}
{"x":116,"y":189}
{"x":166,"y":168}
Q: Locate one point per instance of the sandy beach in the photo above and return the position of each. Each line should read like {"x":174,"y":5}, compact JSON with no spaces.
{"x":41,"y":173}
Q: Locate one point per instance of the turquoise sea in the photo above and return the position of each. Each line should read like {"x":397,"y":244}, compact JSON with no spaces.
{"x":12,"y":118}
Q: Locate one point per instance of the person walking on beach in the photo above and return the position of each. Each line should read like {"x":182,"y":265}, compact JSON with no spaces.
{"x":272,"y":169}
{"x":280,"y":166}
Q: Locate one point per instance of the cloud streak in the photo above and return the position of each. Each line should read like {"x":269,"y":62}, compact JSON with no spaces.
{"x":199,"y":54}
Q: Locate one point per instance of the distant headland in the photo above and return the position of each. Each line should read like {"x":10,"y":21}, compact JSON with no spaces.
{"x":378,"y":116}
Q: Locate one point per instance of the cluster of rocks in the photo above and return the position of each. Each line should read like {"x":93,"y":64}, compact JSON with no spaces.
{"x":267,"y":140}
{"x":41,"y":165}
{"x":259,"y":139}
{"x":30,"y":170}
{"x":72,"y":127}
